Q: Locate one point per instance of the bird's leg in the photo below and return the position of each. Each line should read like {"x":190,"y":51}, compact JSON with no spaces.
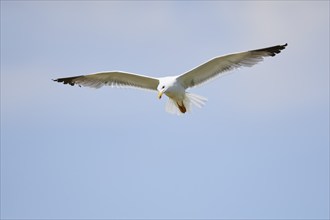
{"x":182,"y":107}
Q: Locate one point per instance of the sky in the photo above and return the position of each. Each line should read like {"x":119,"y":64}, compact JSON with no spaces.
{"x":259,"y":149}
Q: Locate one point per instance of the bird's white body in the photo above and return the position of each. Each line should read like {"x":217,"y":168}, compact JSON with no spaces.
{"x":173,"y":89}
{"x":180,"y":101}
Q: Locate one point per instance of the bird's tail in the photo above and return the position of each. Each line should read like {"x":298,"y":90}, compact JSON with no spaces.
{"x":180,"y":107}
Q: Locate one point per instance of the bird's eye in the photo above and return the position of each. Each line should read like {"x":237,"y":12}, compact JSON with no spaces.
{"x":163,"y":87}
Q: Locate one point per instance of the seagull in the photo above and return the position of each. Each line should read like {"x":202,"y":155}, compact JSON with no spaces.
{"x":180,"y":101}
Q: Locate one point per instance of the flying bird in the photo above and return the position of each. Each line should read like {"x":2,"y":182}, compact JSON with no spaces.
{"x":180,"y":101}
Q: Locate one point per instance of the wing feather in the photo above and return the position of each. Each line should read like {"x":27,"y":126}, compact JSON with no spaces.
{"x":219,"y":65}
{"x":113,"y":79}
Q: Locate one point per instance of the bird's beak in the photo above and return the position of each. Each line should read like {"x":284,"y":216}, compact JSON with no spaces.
{"x":160,"y":93}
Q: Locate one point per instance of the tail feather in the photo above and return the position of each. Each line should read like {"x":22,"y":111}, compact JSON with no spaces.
{"x":174,"y":107}
{"x":197,"y":100}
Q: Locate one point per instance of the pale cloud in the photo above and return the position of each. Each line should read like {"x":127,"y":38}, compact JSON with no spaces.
{"x":273,"y":20}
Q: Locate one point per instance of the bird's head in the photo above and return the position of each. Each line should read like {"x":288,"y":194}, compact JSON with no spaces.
{"x":161,"y":90}
{"x":166,"y":85}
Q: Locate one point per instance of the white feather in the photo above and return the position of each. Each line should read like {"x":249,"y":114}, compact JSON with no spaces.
{"x":189,"y":100}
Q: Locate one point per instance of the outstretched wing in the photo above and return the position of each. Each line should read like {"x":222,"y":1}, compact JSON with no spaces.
{"x":219,"y":65}
{"x":117,"y":78}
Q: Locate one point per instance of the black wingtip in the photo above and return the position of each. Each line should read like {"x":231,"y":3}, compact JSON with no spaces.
{"x":282,"y":47}
{"x":68,"y":80}
{"x":272,"y":51}
{"x":279,"y":49}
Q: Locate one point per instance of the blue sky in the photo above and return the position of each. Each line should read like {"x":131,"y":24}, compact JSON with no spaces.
{"x":258,"y":149}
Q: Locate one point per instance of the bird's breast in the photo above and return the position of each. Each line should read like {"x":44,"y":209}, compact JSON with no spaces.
{"x":175,"y":93}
